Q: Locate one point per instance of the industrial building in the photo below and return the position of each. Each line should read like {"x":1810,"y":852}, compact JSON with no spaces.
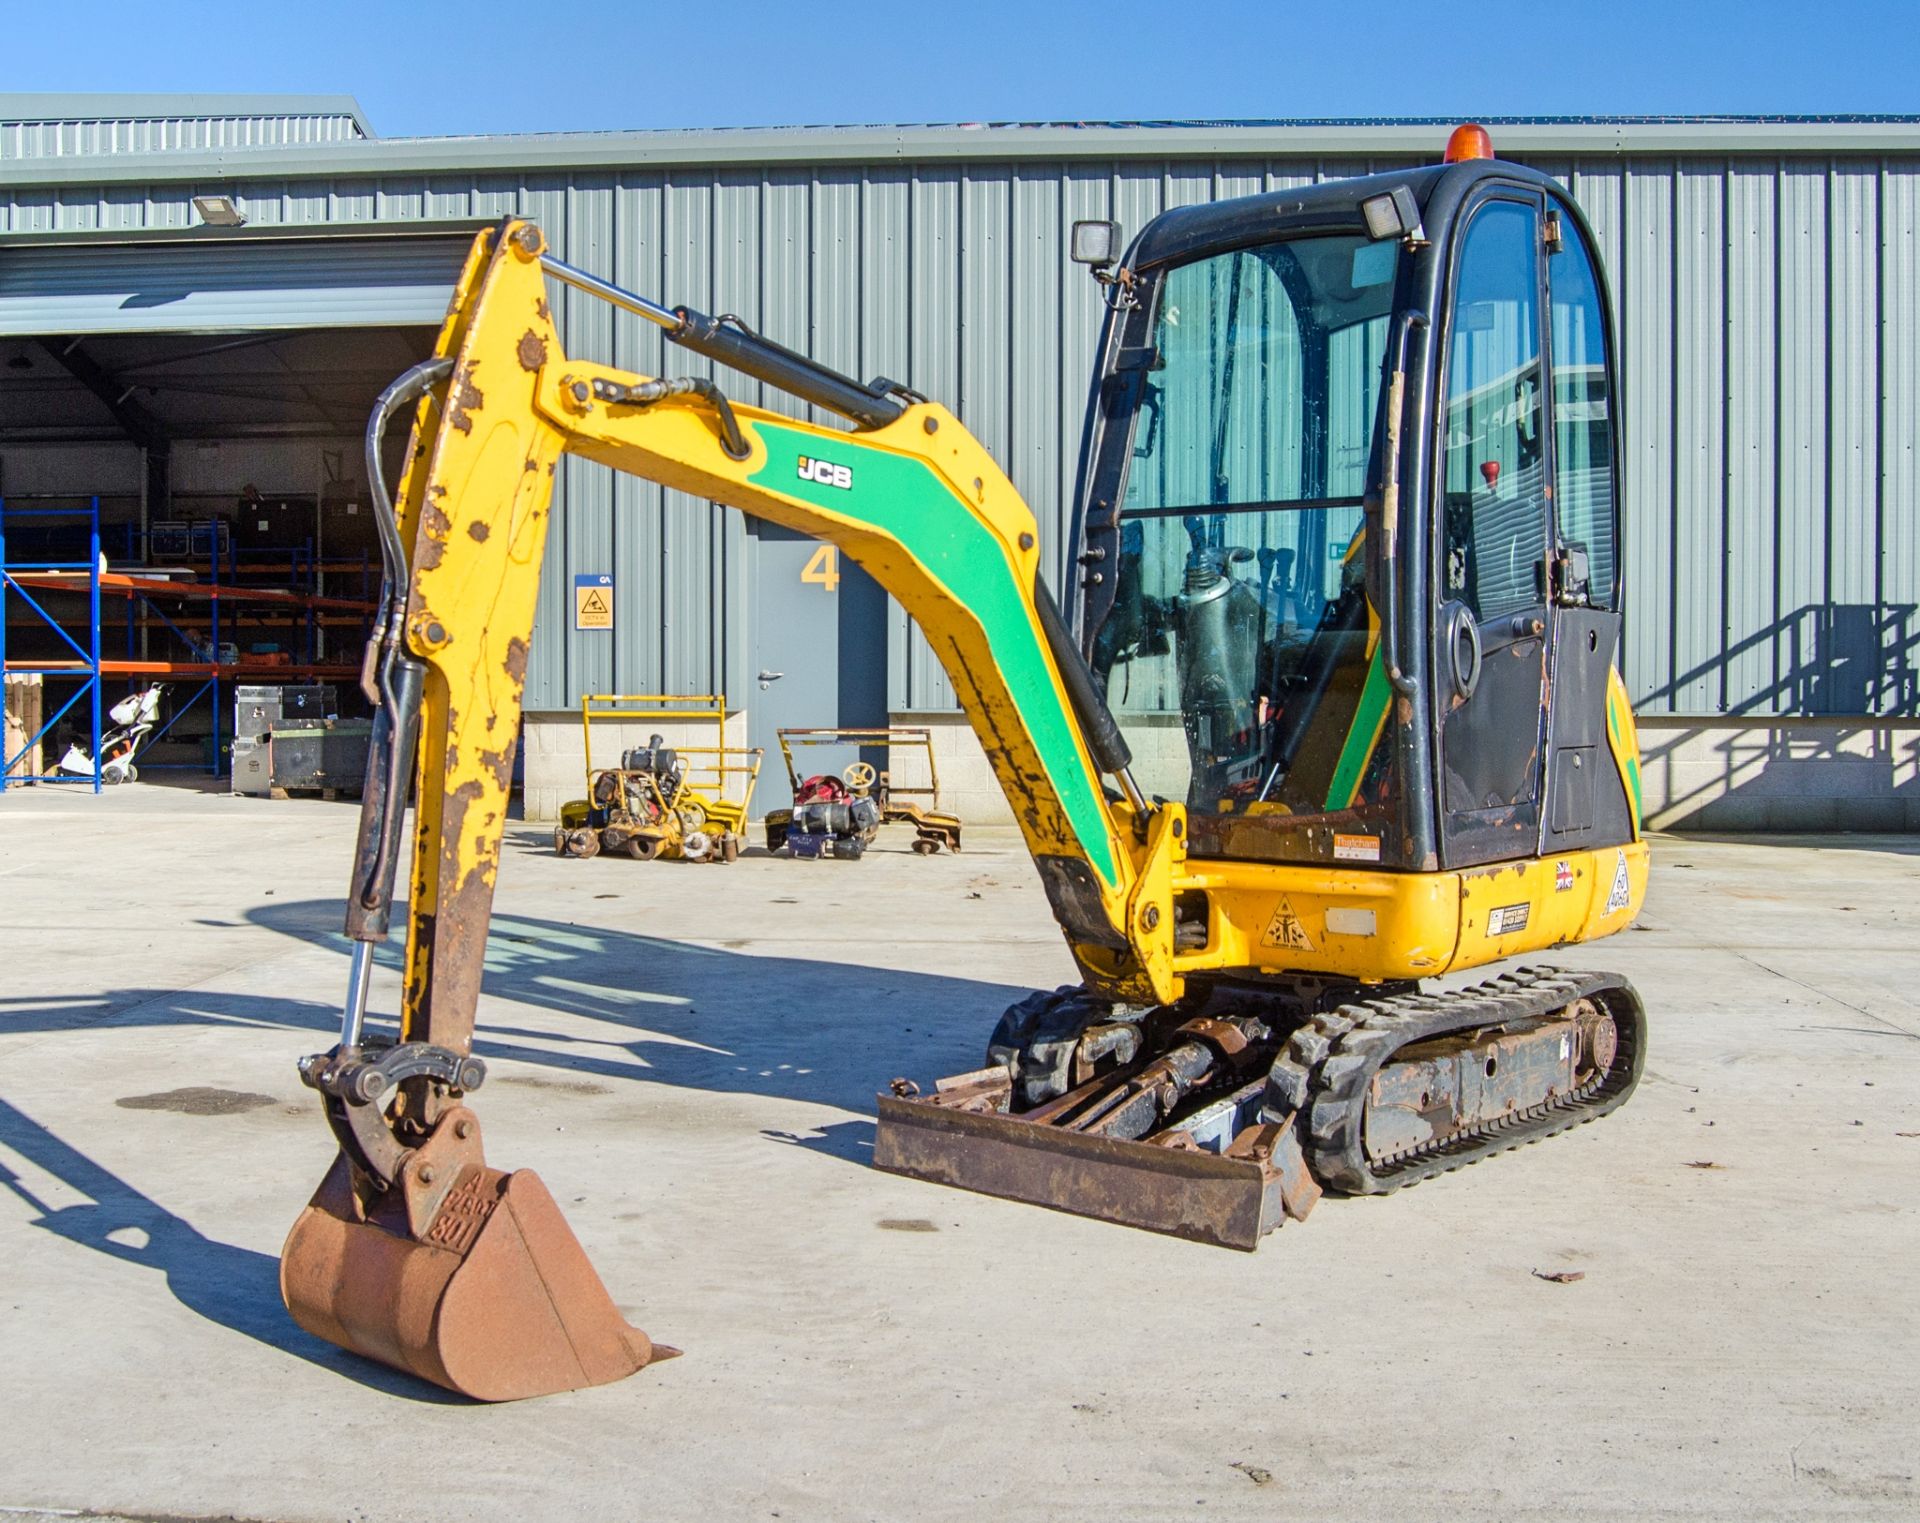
{"x":200,"y":297}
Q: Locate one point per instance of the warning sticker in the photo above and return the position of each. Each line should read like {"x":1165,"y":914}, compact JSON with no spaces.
{"x":1285,"y":930}
{"x":1356,"y":848}
{"x":1507,"y":919}
{"x":1622,"y":893}
{"x":593,"y":601}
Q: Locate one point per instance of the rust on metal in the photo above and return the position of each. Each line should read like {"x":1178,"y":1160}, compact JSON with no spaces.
{"x":1230,"y":1201}
{"x":478,"y":531}
{"x":1230,"y":1039}
{"x":460,"y":928}
{"x":517,"y":664}
{"x":1599,"y":1035}
{"x":987,"y":1090}
{"x":457,"y":1273}
{"x":1275,"y":1146}
{"x":464,"y":398}
{"x":435,"y":527}
{"x":1466,"y":1081}
{"x":532,"y":348}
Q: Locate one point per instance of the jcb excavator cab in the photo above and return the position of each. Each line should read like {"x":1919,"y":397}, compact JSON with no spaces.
{"x":1249,"y":607}
{"x":1347,"y":546}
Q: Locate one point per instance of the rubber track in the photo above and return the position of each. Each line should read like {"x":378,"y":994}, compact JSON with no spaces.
{"x":1329,"y":1064}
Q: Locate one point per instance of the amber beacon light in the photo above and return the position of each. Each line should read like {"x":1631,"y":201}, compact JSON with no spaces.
{"x":1469,"y":141}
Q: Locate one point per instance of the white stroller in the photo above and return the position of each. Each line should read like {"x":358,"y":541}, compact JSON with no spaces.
{"x":134,"y":718}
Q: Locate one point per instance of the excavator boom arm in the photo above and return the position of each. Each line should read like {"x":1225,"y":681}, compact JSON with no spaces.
{"x":916,"y":501}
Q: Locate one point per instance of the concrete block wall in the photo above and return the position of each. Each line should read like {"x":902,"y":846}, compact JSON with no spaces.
{"x":1696,"y":774}
{"x":969,"y":789}
{"x":1790,"y":775}
{"x":556,"y":758}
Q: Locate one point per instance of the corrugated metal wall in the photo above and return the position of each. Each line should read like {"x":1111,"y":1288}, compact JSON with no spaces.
{"x":1770,"y":321}
{"x":134,"y":134}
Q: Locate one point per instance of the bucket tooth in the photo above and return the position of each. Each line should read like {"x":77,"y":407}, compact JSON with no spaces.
{"x":460,"y":1274}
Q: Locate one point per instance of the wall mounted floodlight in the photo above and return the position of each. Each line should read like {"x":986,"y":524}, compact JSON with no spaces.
{"x":219,"y":211}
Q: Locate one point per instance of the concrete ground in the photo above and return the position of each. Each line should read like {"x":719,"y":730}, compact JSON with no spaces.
{"x":688,"y":1056}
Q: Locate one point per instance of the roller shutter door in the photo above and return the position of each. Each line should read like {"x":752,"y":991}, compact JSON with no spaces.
{"x":228,"y":286}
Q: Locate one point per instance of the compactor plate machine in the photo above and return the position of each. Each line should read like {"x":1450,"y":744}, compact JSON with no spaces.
{"x":661,"y":801}
{"x":840,"y":816}
{"x":1333,"y":712}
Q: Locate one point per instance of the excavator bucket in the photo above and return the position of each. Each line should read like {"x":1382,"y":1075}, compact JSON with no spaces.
{"x":459,"y":1274}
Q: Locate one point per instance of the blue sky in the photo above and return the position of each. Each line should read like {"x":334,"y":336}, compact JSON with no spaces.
{"x":429,"y":66}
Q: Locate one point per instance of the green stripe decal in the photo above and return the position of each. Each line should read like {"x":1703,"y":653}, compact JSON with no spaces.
{"x":903,"y":498}
{"x":1369,"y":718}
{"x":1614,"y":731}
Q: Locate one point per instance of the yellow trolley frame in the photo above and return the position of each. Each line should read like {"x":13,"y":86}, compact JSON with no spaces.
{"x":710,"y":768}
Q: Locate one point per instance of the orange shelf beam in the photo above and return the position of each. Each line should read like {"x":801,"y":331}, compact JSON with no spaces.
{"x":120,"y":583}
{"x":181,"y":669}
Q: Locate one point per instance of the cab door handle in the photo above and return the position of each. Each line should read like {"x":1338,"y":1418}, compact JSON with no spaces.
{"x":1464,"y":656}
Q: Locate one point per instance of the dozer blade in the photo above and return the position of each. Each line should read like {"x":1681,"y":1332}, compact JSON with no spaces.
{"x":1231,"y":1198}
{"x":460,"y":1274}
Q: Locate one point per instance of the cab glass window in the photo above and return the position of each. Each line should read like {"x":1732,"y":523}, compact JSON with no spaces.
{"x":1239,"y":654}
{"x":1495,"y":524}
{"x":1582,"y":414}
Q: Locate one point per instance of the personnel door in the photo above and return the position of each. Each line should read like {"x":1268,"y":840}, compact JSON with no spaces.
{"x":819,"y":651}
{"x":1491,"y":636}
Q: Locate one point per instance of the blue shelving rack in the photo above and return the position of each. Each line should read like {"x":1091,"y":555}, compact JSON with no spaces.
{"x":86,"y":663}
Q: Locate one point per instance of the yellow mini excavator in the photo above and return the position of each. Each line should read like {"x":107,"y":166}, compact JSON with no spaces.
{"x":1333,"y":712}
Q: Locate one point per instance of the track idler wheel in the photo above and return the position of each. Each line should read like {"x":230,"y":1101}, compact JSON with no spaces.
{"x":459,"y":1274}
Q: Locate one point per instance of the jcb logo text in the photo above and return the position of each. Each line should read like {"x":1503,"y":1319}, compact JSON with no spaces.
{"x":826,"y":472}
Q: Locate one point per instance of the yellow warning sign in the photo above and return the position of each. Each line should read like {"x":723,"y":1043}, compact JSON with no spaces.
{"x":1285,"y":930}
{"x":593,"y":601}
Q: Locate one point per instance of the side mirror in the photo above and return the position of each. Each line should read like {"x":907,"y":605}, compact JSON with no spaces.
{"x":1096,"y":244}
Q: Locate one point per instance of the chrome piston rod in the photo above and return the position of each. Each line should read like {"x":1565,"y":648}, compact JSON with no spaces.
{"x":359,"y":977}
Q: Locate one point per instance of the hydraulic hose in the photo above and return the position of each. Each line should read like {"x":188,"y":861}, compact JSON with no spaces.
{"x":409,"y":387}
{"x":1105,"y":742}
{"x":393,"y":681}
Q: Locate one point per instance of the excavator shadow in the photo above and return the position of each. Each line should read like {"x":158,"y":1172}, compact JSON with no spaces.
{"x":635,"y":1007}
{"x":234,"y":1287}
{"x":630,"y":1007}
{"x":597,"y":1009}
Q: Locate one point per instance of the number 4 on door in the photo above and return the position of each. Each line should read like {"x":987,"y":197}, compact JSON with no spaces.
{"x":824,"y":569}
